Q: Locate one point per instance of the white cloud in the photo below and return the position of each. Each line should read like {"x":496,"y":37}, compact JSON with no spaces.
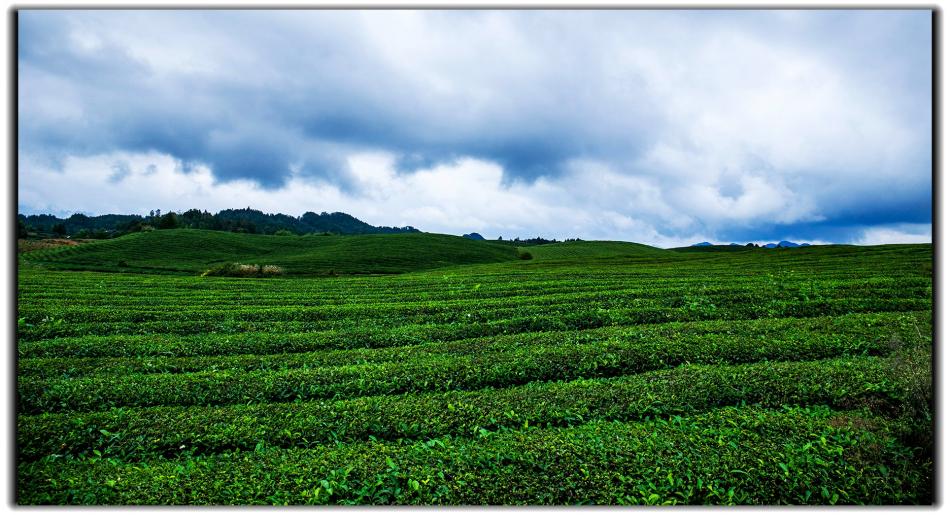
{"x":903,"y":233}
{"x":591,"y":201}
{"x":468,"y":195}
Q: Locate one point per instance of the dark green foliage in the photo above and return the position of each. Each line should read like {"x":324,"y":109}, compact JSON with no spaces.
{"x":97,"y":234}
{"x":232,"y":220}
{"x":342,"y":223}
{"x":168,"y":221}
{"x":528,"y":241}
{"x":108,"y":224}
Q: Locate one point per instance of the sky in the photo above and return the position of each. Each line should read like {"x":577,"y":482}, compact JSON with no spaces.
{"x":660,"y":127}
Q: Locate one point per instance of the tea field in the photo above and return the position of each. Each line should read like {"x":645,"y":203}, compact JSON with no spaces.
{"x":190,"y":251}
{"x":592,"y":373}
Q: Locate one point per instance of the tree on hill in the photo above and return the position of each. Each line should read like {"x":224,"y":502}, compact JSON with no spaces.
{"x":197,"y":219}
{"x":168,"y":221}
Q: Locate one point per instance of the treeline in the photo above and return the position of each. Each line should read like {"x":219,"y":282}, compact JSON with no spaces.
{"x":233,"y":220}
{"x":532,"y":241}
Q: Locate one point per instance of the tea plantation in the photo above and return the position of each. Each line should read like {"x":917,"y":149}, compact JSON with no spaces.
{"x":429,"y":370}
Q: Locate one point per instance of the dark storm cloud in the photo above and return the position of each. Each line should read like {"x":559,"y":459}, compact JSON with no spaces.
{"x":128,"y":104}
{"x":340,"y":94}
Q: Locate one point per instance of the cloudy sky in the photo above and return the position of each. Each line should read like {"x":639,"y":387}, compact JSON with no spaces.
{"x":661,"y":127}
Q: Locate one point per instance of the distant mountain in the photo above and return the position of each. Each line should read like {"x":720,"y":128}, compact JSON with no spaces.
{"x":785,"y":244}
{"x":342,"y":223}
{"x":782,"y":244}
{"x":473,"y":236}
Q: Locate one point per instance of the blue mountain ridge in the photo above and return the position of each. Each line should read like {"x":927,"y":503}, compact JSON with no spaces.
{"x":781,"y":244}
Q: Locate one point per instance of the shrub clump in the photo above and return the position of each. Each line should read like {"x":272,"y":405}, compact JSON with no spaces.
{"x":242,"y":270}
{"x":524,"y":255}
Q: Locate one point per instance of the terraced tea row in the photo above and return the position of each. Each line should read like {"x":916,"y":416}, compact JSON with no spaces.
{"x":470,"y":325}
{"x":648,"y":346}
{"x":666,"y":296}
{"x":269,"y":343}
{"x":137,"y":432}
{"x":500,"y":366}
{"x":734,"y":455}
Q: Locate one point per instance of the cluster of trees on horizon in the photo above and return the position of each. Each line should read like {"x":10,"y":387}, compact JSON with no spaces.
{"x":246,"y":220}
{"x":533,"y":241}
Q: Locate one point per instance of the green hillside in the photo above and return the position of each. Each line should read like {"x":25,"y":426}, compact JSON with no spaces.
{"x":190,"y":251}
{"x":595,"y":250}
{"x":717,"y":248}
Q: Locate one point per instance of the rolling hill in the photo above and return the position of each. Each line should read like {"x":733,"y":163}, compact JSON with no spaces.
{"x":595,"y":251}
{"x":192,"y":251}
